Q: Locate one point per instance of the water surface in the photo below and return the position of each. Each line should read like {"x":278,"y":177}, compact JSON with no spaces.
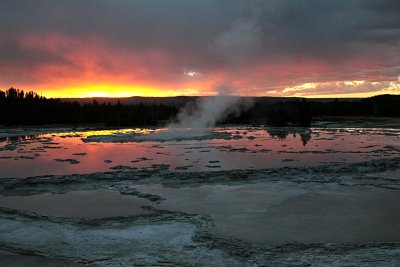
{"x":72,"y":153}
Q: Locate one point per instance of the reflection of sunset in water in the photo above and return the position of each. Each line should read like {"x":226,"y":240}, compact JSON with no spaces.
{"x":67,"y":153}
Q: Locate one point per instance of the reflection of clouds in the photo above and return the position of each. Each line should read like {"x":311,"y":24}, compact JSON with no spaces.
{"x":18,"y":138}
{"x":257,"y":147}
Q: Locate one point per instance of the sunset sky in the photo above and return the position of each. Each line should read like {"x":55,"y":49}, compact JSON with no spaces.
{"x":203,"y":47}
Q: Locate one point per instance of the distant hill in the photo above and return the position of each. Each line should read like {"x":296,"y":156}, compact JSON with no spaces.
{"x":171,"y":101}
{"x":179,"y":101}
{"x":28,"y":108}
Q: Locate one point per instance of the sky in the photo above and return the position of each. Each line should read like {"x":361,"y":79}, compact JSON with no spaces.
{"x":87,"y":48}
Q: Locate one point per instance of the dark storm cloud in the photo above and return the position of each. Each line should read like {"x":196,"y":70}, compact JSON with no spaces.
{"x":13,"y":54}
{"x":181,"y":27}
{"x":330,"y":29}
{"x":212,"y":35}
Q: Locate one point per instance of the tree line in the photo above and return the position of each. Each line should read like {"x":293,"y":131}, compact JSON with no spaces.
{"x":300,"y":112}
{"x":20,"y":108}
{"x":28,"y":108}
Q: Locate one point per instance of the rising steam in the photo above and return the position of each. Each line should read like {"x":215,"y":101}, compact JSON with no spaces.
{"x":205,"y":112}
{"x":196,"y":118}
{"x":235,"y":44}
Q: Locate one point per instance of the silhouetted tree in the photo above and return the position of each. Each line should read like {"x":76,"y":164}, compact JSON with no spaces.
{"x":28,"y":108}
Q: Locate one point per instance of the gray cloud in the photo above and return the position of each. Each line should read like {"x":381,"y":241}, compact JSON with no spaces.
{"x":11,"y":53}
{"x":209,"y":35}
{"x":240,"y":40}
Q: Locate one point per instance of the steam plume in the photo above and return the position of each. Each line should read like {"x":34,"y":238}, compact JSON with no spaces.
{"x":207,"y":111}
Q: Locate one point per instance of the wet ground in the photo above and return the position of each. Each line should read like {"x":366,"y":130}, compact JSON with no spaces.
{"x":243,"y":196}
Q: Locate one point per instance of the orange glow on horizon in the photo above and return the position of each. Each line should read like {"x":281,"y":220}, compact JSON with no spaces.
{"x":99,"y":91}
{"x":94,"y":68}
{"x":89,"y":91}
{"x":351,"y":95}
{"x":110,"y":91}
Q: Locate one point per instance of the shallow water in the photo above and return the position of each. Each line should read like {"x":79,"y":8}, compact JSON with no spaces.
{"x":78,"y":204}
{"x":252,"y":213}
{"x":15,"y":260}
{"x":282,"y":212}
{"x":223,"y":149}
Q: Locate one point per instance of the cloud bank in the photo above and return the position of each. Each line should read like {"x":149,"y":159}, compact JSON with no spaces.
{"x":150,"y":47}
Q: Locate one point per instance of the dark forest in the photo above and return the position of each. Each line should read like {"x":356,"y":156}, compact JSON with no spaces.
{"x":28,"y":108}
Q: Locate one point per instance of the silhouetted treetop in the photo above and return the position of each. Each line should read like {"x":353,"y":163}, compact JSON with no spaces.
{"x":28,"y":108}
